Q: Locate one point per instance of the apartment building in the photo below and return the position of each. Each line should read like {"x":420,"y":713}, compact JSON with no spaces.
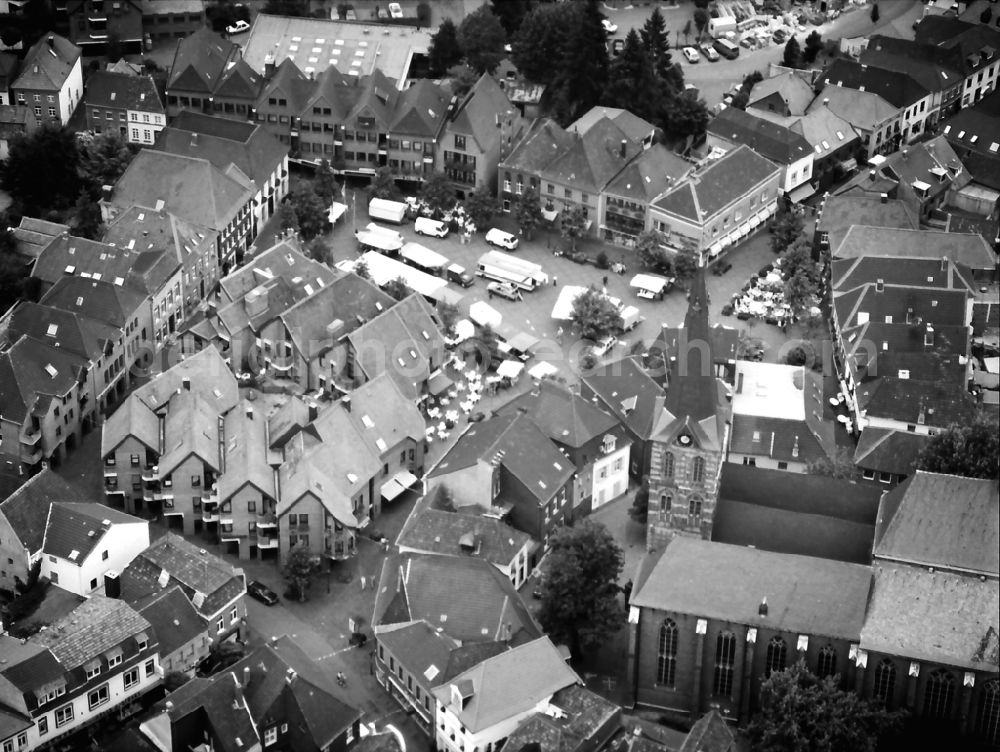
{"x":96,"y":25}
{"x":176,"y":19}
{"x":181,"y":630}
{"x":51,"y":80}
{"x":877,"y":121}
{"x":977,"y":46}
{"x":126,"y":103}
{"x":199,"y":67}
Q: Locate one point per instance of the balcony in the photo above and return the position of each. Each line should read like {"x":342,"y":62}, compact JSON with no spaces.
{"x":31,"y":455}
{"x":339,"y":545}
{"x":158,"y":495}
{"x":267,"y":542}
{"x":267,"y":520}
{"x":209,"y":515}
{"x":210,"y":498}
{"x":30,"y":436}
{"x":151,"y":474}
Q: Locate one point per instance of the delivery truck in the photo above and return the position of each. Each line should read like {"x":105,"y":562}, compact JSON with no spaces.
{"x":387,"y":211}
{"x":424,"y":259}
{"x":503,"y":268}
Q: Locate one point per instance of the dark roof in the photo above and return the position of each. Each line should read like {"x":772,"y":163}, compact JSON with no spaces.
{"x":27,"y":509}
{"x":200,"y":61}
{"x":781,"y":439}
{"x":887,"y":451}
{"x":927,"y":273}
{"x":703,"y":194}
{"x":80,"y":527}
{"x":840,"y":212}
{"x":935,"y":68}
{"x":978,"y":43}
{"x":896,"y":87}
{"x":649,"y":173}
{"x":174,"y":619}
{"x":31,"y":371}
{"x":541,"y":144}
{"x":727,"y":583}
{"x":796,"y":513}
{"x":215,"y":707}
{"x":96,"y":299}
{"x":692,"y":391}
{"x":973,"y":134}
{"x":943,"y":521}
{"x":194,"y":569}
{"x":632,"y":395}
{"x":724,"y":341}
{"x":711,"y":733}
{"x":107,"y":89}
{"x":565,"y":416}
{"x":78,"y":334}
{"x":92,"y":628}
{"x":439,"y":532}
{"x":476,"y":114}
{"x":592,"y":159}
{"x":48,"y":64}
{"x":421,"y":110}
{"x":584,"y":714}
{"x":774,"y":141}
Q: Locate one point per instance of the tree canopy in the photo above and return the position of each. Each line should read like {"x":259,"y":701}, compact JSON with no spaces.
{"x":397,"y":288}
{"x":649,"y":249}
{"x":298,"y":570}
{"x":103,"y":159}
{"x":785,"y":230}
{"x":580,"y":604}
{"x":632,"y":80}
{"x":803,"y":276}
{"x":41,"y":171}
{"x":799,"y":712}
{"x":461,"y":79}
{"x":438,"y":193}
{"x":537,"y":45}
{"x":310,"y":211}
{"x":972,"y":450}
{"x":13,"y":270}
{"x":383,"y":185}
{"x":482,"y":38}
{"x":840,"y":465}
{"x":528,"y":211}
{"x":814,"y":44}
{"x":685,"y":264}
{"x":445,"y":50}
{"x":582,"y":66}
{"x":572,"y":223}
{"x":594,"y":315}
{"x":656,"y":41}
{"x":480,"y":206}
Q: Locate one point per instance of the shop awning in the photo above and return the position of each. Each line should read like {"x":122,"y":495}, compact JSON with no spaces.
{"x":801,"y":193}
{"x":755,"y":221}
{"x":522,"y":342}
{"x":744,"y":230}
{"x":483,"y":313}
{"x":550,"y":215}
{"x":849,"y":165}
{"x":438,"y":383}
{"x":397,"y":484}
{"x":715,"y":249}
{"x":731,"y":238}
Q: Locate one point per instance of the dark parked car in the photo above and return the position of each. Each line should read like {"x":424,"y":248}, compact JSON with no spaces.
{"x":577,"y":257}
{"x":721,"y":267}
{"x":262,"y":592}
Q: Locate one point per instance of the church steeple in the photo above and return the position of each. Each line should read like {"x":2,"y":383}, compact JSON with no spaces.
{"x":692,"y":391}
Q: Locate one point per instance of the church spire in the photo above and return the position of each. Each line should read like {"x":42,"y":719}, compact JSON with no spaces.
{"x":692,"y":391}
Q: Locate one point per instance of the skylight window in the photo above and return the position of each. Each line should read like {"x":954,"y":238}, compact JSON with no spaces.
{"x":380,"y":443}
{"x":368,"y":422}
{"x":995,"y":147}
{"x":840,"y":135}
{"x":52,"y":330}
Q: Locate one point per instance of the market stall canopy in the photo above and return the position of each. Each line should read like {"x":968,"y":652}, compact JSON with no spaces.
{"x":484,"y":314}
{"x":650,"y":282}
{"x":439,"y":383}
{"x":542,"y":369}
{"x":337,"y":211}
{"x":510,"y":369}
{"x":378,"y":240}
{"x":522,"y":342}
{"x":464,"y":329}
{"x":397,"y":484}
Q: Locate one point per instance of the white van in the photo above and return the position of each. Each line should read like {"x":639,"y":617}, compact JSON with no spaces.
{"x":431,"y":227}
{"x":501,"y":239}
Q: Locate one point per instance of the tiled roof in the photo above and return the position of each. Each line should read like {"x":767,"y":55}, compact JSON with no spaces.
{"x":476,"y":115}
{"x":710,"y":733}
{"x":174,"y":620}
{"x":290,"y":83}
{"x":92,"y":628}
{"x":862,"y":109}
{"x":240,"y":81}
{"x":64,"y":329}
{"x":48,"y":64}
{"x":27,"y":509}
{"x":942,"y":521}
{"x":566,"y":417}
{"x":219,"y":704}
{"x":649,"y":173}
{"x":727,"y":583}
{"x":332,"y":476}
{"x":418,"y":586}
{"x":780,"y":439}
{"x":972,"y":133}
{"x":771,"y":140}
{"x":630,"y":393}
{"x":541,"y":144}
{"x":592,"y":159}
{"x":887,"y":451}
{"x":509,"y":684}
{"x":205,"y":373}
{"x":791,"y":89}
{"x":80,"y":527}
{"x":380,"y":410}
{"x":933,"y":67}
{"x":421,"y":110}
{"x":633,"y":126}
{"x":246,"y":453}
{"x":96,"y":299}
{"x":919,"y":172}
{"x":32,"y":369}
{"x":526,"y":452}
{"x":896,"y":87}
{"x":200,"y":61}
{"x":423,"y":650}
{"x":284,"y":261}
{"x":195,"y":570}
{"x":938,"y":617}
{"x":28,"y":665}
{"x":32,"y":235}
{"x":703,"y":194}
{"x":967,"y":250}
{"x":825,"y":131}
{"x":584,"y":714}
{"x":436,"y":531}
{"x":841,"y":212}
{"x":191,"y":427}
{"x":107,"y":89}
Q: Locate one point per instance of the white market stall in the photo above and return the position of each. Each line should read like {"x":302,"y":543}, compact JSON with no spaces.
{"x":510,"y":369}
{"x":383,"y":270}
{"x":649,"y":286}
{"x":542,"y":370}
{"x":337,"y":210}
{"x":485,"y":315}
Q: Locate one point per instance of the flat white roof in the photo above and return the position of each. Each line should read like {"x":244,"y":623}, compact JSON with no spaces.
{"x":769,"y":390}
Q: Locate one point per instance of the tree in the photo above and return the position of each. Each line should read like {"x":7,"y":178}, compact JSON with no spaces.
{"x":298,"y":8}
{"x":640,"y":503}
{"x":875,"y":13}
{"x":800,"y":712}
{"x":383,"y":185}
{"x":583,"y":65}
{"x":174,"y":680}
{"x":632,"y":79}
{"x":461,"y":79}
{"x":397,"y":289}
{"x":103,"y":159}
{"x":700,"y":20}
{"x":968,"y":449}
{"x":319,"y":250}
{"x":487,"y":346}
{"x":537,"y":45}
{"x":288,"y":218}
{"x":448,"y":314}
{"x":572,"y":224}
{"x":482,"y":38}
{"x":802,"y":276}
{"x":325,"y":183}
{"x":480,"y":206}
{"x":814,"y":45}
{"x":649,"y":249}
{"x":986,"y":16}
{"x":785,"y":230}
{"x":793,"y":54}
{"x":444,"y":50}
{"x":684,"y":116}
{"x":87,"y":219}
{"x":685,"y":264}
{"x":298,"y":570}
{"x":438,"y":193}
{"x":13,"y":270}
{"x":361,"y":269}
{"x":656,"y":40}
{"x":41,"y":170}
{"x":580,"y":604}
{"x":510,"y":13}
{"x":528,"y":212}
{"x":594,"y":316}
{"x":840,"y":465}
{"x":742,"y":97}
{"x":310,"y":212}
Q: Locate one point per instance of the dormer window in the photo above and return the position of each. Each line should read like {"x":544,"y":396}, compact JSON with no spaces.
{"x":609,"y":442}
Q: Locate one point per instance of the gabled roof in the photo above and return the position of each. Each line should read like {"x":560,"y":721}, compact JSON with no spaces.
{"x":791,"y":89}
{"x":649,"y":173}
{"x":476,"y":115}
{"x":710,"y":733}
{"x":383,"y":415}
{"x":564,"y":416}
{"x":769,"y":139}
{"x":200,"y":61}
{"x":972,"y":133}
{"x":191,"y":427}
{"x":121,"y":90}
{"x":80,"y":527}
{"x":240,"y":81}
{"x":927,"y":274}
{"x":333,"y":473}
{"x":27,"y":509}
{"x":885,"y":450}
{"x":933,"y":67}
{"x":216,"y":706}
{"x":91,"y":629}
{"x":727,"y":583}
{"x":48,"y":64}
{"x":32,"y":235}
{"x":152,"y":243}
{"x":417,"y":586}
{"x":31,"y":370}
{"x":896,"y":87}
{"x":421,"y":110}
{"x":541,"y":144}
{"x":202,"y":576}
{"x":508,"y":684}
{"x":246,"y":453}
{"x":77,"y":334}
{"x":205,"y":373}
{"x":284,"y":261}
{"x":96,"y":299}
{"x":706,"y":192}
{"x":633,"y":126}
{"x":435,"y":531}
{"x":866,"y":110}
{"x":942,"y":521}
{"x":192,"y":188}
{"x":840,"y":212}
{"x":938,"y":617}
{"x":965,"y":249}
{"x":289,"y":80}
{"x":591,"y":159}
{"x":174,"y":619}
{"x":632,"y":395}
{"x":825,"y":131}
{"x":519,"y":446}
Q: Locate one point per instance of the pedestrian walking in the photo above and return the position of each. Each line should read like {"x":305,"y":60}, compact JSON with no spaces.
{"x":559,"y":335}
{"x":605,"y":281}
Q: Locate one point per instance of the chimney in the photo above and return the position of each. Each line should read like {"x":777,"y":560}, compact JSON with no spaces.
{"x":905,"y":153}
{"x":871,"y":174}
{"x":879,"y":285}
{"x":313,"y":412}
{"x":52,"y":41}
{"x":194,"y":139}
{"x":929,"y":335}
{"x":249,"y":412}
{"x":621,"y":149}
{"x":762,"y":608}
{"x":884,"y":198}
{"x":106,"y":191}
{"x":112,"y":584}
{"x":290,"y":676}
{"x":346,"y":402}
{"x":186,"y":383}
{"x":826,"y":100}
{"x":944,"y":263}
{"x":269,"y":66}
{"x":246,"y":677}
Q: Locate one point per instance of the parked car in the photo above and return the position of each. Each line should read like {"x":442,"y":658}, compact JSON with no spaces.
{"x":709,"y":52}
{"x":459,"y":276}
{"x":501,"y":239}
{"x":780,"y":36}
{"x":617,"y":47}
{"x":238,"y":27}
{"x":504,"y":290}
{"x":395,"y":10}
{"x":577,"y":257}
{"x":609,"y":27}
{"x":603,"y":347}
{"x":749,"y":42}
{"x":430,"y":227}
{"x":721,"y":267}
{"x":691,"y":55}
{"x":261,"y":592}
